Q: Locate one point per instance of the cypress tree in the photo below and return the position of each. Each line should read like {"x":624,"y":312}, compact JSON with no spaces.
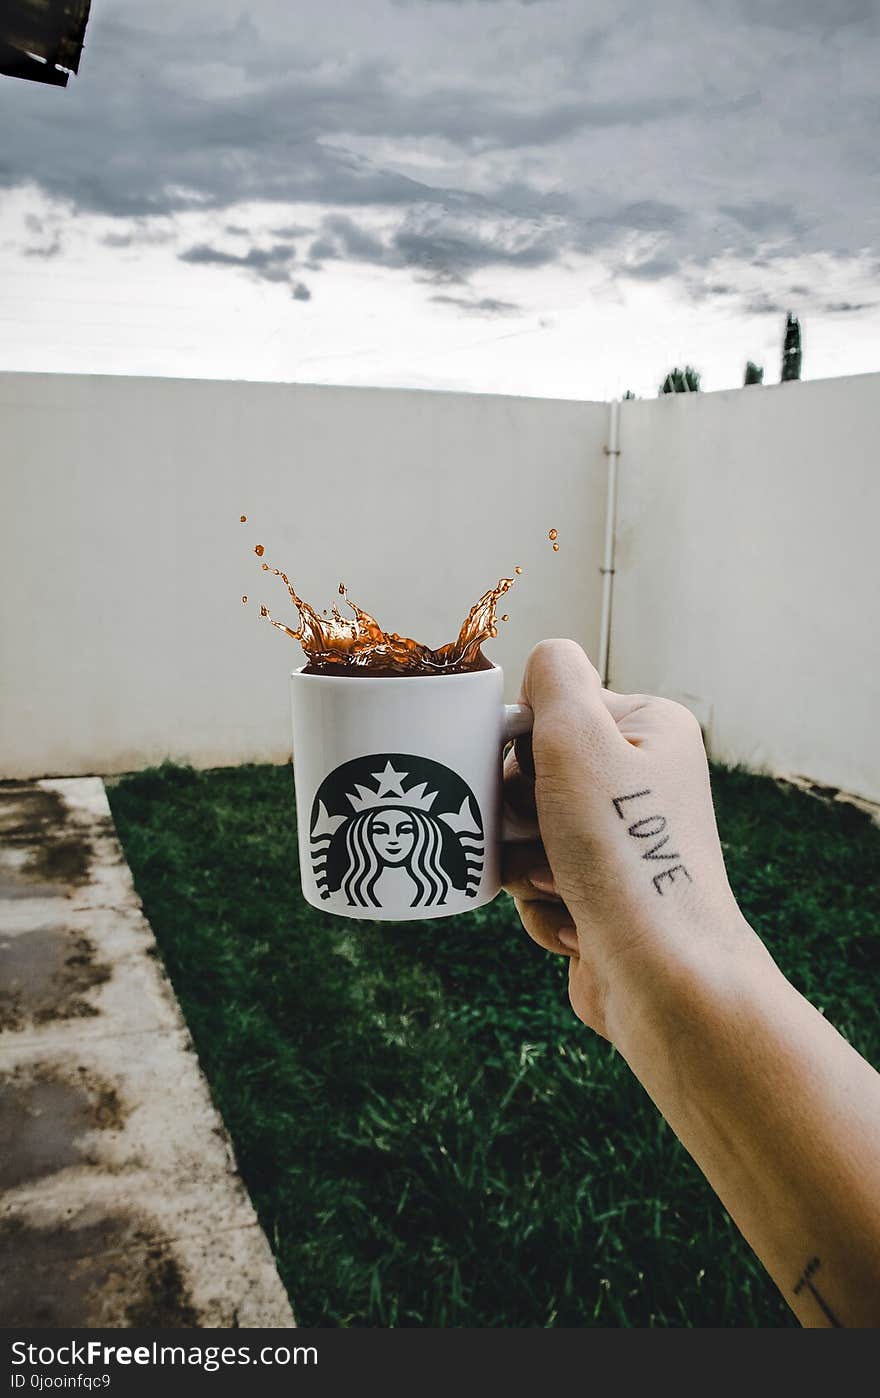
{"x":686,"y":380}
{"x":791,"y":350}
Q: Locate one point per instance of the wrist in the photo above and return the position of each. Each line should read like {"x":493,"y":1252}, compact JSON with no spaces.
{"x":687,"y":986}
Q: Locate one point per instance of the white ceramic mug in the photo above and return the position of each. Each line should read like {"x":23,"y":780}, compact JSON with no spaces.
{"x":398,"y":791}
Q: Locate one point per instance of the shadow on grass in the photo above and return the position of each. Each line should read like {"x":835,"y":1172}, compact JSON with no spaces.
{"x":429,"y":1136}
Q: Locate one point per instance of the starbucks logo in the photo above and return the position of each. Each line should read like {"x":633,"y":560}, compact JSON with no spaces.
{"x":396,"y":830}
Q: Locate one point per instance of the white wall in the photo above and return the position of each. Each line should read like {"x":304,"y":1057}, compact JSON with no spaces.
{"x":748,"y":571}
{"x":124,"y":640}
{"x":747,"y":556}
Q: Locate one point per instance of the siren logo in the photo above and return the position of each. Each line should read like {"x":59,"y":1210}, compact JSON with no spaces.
{"x":393,"y":830}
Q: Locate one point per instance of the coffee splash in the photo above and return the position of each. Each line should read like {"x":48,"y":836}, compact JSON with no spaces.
{"x":359,"y":646}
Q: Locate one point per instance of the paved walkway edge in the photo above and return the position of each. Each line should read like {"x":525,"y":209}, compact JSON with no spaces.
{"x":121,"y":1205}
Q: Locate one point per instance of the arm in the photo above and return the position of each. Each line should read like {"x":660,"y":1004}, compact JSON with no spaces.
{"x":783,"y":1118}
{"x":628,"y":881}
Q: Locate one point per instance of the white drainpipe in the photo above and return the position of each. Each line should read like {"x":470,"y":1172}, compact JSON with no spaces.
{"x":612,"y":451}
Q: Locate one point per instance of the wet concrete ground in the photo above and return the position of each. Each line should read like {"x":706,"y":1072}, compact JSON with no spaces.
{"x":120,"y":1203}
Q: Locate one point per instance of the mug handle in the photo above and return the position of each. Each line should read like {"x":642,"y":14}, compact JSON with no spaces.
{"x":517,"y":721}
{"x":515,"y":829}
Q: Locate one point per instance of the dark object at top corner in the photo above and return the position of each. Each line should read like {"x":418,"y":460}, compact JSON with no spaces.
{"x":42,"y":40}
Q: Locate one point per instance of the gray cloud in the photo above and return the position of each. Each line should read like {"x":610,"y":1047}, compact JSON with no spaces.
{"x":343,"y":237}
{"x":442,"y":142}
{"x":645,"y":215}
{"x":447,"y":249}
{"x":439,"y":244}
{"x":269,"y":264}
{"x":137,"y":233}
{"x":764,"y":217}
{"x":260,"y":259}
{"x":45,"y":228}
{"x":652,"y":269}
{"x":483,"y":305}
{"x":844,"y":307}
{"x":809,"y":15}
{"x":273,"y":264}
{"x":290,"y":230}
{"x":47,"y":250}
{"x":763,"y":305}
{"x":323,"y":250}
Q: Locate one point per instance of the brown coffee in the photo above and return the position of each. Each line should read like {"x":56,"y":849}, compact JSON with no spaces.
{"x":376,"y":672}
{"x":357,"y":646}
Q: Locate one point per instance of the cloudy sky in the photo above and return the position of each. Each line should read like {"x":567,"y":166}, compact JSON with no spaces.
{"x":554,"y":197}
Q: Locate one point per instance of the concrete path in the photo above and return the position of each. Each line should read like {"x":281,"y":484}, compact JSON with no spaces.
{"x":121,"y":1203}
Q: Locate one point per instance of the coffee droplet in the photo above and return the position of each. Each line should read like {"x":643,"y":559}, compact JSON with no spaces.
{"x":264,"y":611}
{"x":259,"y":550}
{"x":505,"y":617}
{"x":244,"y":599}
{"x":555,"y":548}
{"x":244,"y":519}
{"x":265,"y":567}
{"x":554,"y":534}
{"x":517,"y":570}
{"x":342,"y":589}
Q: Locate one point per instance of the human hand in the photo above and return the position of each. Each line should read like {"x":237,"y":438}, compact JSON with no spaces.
{"x":627,"y":878}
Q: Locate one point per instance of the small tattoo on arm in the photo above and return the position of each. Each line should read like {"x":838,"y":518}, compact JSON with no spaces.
{"x":806,"y":1284}
{"x":650,"y":827}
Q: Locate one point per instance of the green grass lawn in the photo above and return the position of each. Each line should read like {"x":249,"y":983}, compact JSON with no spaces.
{"x":429,"y":1135}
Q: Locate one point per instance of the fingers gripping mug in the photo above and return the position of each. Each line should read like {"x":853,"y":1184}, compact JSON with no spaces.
{"x":398,"y":790}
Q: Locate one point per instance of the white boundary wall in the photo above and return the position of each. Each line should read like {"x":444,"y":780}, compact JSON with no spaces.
{"x":747,"y":555}
{"x":124,"y":640}
{"x":748,"y":572}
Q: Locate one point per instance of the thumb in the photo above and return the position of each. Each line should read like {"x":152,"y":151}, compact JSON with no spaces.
{"x":577,"y":751}
{"x":564,"y":691}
